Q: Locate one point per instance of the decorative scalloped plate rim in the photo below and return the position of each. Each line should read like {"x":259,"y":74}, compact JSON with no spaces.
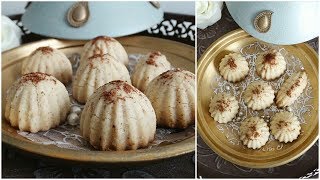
{"x":184,"y":59}
{"x":210,"y":134}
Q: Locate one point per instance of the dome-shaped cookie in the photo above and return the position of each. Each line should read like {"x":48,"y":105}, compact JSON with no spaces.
{"x":223,"y":107}
{"x":50,"y":61}
{"x":172,"y":96}
{"x":234,"y":67}
{"x":254,"y":132}
{"x":149,"y":67}
{"x":36,"y":102}
{"x":285,"y":126}
{"x":97,"y":71}
{"x":270,"y":65}
{"x":104,"y":45}
{"x":291,"y":89}
{"x":258,"y":95}
{"x":118,"y":117}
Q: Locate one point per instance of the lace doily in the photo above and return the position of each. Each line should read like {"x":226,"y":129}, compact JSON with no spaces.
{"x":302,"y":106}
{"x":67,"y":136}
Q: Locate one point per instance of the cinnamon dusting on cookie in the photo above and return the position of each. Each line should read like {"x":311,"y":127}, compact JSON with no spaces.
{"x":152,"y":58}
{"x":296,"y":84}
{"x":222,"y":105}
{"x":111,"y":95}
{"x":35,"y":77}
{"x":44,"y":50}
{"x":253,"y":133}
{"x":256,"y":91}
{"x":106,"y":39}
{"x":231,"y":63}
{"x":270,"y":58}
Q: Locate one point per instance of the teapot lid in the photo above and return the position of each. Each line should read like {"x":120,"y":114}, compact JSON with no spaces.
{"x":277,"y":22}
{"x":85,"y":20}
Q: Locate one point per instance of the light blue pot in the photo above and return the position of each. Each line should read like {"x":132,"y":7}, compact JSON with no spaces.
{"x":291,"y":22}
{"x":106,"y":18}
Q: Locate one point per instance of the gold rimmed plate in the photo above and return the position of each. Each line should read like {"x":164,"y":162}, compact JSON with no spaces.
{"x":180,"y":55}
{"x":273,"y":153}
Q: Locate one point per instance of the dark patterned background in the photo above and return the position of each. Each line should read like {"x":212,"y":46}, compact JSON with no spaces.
{"x":212,"y":165}
{"x":18,"y":164}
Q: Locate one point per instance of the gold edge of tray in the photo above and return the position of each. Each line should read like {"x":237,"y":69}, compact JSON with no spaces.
{"x":204,"y":131}
{"x":140,"y":155}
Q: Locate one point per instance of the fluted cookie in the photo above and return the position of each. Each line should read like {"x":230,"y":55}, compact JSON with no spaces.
{"x":118,"y":117}
{"x":223,"y":107}
{"x":233,"y":67}
{"x":258,"y":95}
{"x":50,"y":61}
{"x":254,"y":132}
{"x":270,"y":65}
{"x":36,"y":102}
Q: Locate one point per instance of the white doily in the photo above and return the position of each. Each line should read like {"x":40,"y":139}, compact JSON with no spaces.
{"x":67,"y":136}
{"x":303,"y":105}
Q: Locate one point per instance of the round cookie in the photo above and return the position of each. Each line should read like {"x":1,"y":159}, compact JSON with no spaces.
{"x":254,"y":132}
{"x":258,"y":95}
{"x":233,"y":67}
{"x":223,"y":107}
{"x":285,"y":127}
{"x":270,"y":65}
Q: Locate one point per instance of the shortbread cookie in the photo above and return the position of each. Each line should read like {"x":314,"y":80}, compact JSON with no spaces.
{"x":95,"y":72}
{"x":234,"y":67}
{"x":223,"y":107}
{"x":36,"y":102}
{"x":172,"y":95}
{"x":285,"y":127}
{"x":291,"y":89}
{"x":270,"y":65}
{"x":254,"y":132}
{"x":50,"y":61}
{"x":147,"y":68}
{"x":118,"y":117}
{"x":258,"y":95}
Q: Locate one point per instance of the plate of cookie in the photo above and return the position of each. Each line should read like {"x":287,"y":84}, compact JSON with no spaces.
{"x":103,"y":100}
{"x":257,"y":102}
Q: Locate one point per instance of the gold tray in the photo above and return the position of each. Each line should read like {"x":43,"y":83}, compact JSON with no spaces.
{"x":238,"y":154}
{"x":180,"y":55}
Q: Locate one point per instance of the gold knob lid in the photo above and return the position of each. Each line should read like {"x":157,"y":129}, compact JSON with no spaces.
{"x":155,"y":4}
{"x":78,"y":14}
{"x":262,"y":22}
